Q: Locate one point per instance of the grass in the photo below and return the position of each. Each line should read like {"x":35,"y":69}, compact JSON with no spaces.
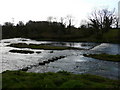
{"x":107,"y":57}
{"x":62,"y":79}
{"x":40,"y":46}
{"x":111,"y":36}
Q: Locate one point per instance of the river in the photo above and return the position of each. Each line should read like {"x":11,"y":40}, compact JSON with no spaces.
{"x":73,"y":62}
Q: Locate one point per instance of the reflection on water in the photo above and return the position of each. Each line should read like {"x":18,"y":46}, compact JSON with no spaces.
{"x":74,"y":61}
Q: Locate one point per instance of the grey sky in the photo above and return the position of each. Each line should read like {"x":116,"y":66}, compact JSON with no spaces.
{"x":24,"y":10}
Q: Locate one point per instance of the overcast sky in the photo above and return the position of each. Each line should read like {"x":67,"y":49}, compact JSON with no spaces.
{"x":39,"y":10}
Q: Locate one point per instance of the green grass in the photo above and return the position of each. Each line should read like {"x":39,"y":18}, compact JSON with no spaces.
{"x":62,"y":79}
{"x":107,"y":57}
{"x":41,"y":46}
{"x":111,"y":36}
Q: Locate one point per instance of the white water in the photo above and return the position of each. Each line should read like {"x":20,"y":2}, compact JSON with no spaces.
{"x":108,"y":48}
{"x":74,"y":62}
{"x":15,"y":61}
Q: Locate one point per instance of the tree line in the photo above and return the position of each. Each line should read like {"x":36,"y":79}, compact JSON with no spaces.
{"x":100,"y":21}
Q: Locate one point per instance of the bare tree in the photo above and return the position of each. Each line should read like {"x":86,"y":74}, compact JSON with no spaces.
{"x":8,"y":24}
{"x":62,"y":20}
{"x":102,"y":20}
{"x":84,"y":24}
{"x":49,"y":19}
{"x":116,"y":21}
{"x":20,"y":23}
{"x":69,"y":19}
{"x":54,"y":19}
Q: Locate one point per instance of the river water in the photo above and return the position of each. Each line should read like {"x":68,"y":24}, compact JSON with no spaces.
{"x":73,"y":62}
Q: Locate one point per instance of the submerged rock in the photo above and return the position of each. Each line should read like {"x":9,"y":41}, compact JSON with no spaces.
{"x":22,"y":51}
{"x":46,"y":61}
{"x":38,"y":52}
{"x":51,"y":51}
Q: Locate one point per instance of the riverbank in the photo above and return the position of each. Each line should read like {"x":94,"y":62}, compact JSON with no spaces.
{"x":106,"y":57}
{"x":61,"y":79}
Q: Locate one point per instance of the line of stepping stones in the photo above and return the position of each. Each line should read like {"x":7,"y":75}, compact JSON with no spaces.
{"x":42,"y":63}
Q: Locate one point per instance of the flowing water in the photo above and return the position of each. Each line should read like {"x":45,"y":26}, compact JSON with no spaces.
{"x":74,"y":60}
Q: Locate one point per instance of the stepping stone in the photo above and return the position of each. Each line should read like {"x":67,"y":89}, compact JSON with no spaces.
{"x":51,"y":51}
{"x":51,"y":60}
{"x":46,"y":61}
{"x":41,"y":63}
{"x":38,"y":52}
{"x":24,"y":69}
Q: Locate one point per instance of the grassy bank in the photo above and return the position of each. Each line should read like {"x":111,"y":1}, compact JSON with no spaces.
{"x":115,"y":58}
{"x":62,"y":79}
{"x":41,"y":46}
